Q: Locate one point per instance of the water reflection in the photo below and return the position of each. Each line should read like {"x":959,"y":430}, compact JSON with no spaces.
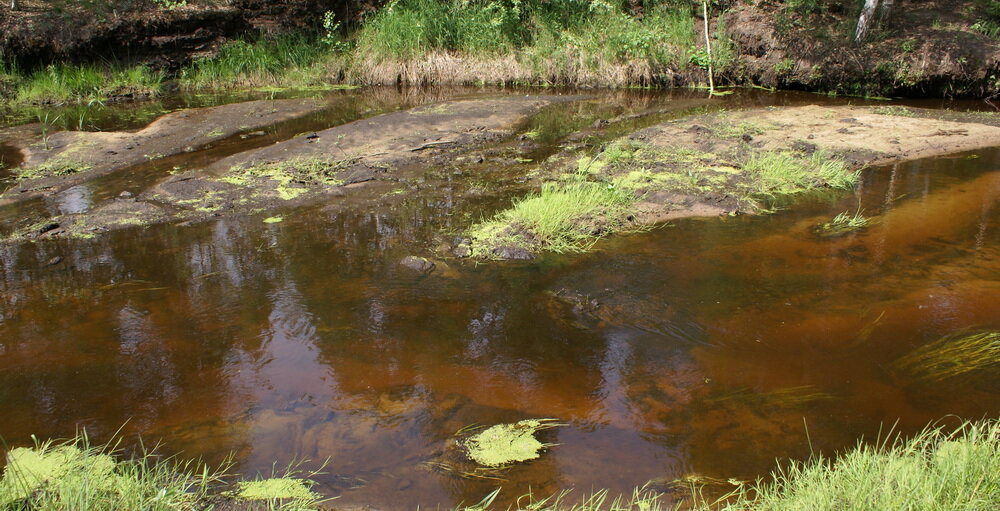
{"x":708,"y":346}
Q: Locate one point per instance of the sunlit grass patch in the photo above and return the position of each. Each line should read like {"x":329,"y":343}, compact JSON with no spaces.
{"x":563,"y":217}
{"x":951,"y":356}
{"x":287,"y":60}
{"x":773,"y":173}
{"x":62,"y":83}
{"x":73,"y":474}
{"x":935,"y":470}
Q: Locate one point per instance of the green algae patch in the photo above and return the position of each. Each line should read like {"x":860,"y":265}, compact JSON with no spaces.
{"x":277,"y":488}
{"x":31,"y":470}
{"x":273,"y":220}
{"x":290,"y":178}
{"x":53,"y":168}
{"x":504,"y":444}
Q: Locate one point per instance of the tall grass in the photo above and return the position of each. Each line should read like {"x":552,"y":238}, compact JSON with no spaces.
{"x":290,"y":59}
{"x":64,"y":83}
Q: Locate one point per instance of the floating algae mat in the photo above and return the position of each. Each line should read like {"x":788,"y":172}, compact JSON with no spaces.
{"x":31,"y":470}
{"x":508,"y":443}
{"x":277,"y":488}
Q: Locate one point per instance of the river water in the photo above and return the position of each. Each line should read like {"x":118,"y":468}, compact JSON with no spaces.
{"x":708,"y":347}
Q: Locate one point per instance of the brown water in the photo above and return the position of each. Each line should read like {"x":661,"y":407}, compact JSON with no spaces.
{"x":707,"y":346}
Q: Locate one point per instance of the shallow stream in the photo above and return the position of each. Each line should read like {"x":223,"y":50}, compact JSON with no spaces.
{"x":706,"y":347}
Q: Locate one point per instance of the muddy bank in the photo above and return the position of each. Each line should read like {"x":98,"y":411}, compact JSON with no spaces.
{"x":723,"y":163}
{"x":310,"y":166}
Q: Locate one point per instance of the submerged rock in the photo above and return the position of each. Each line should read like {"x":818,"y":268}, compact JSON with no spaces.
{"x":420,"y":264}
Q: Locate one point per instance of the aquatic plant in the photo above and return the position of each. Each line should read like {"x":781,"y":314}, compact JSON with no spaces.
{"x":302,"y":172}
{"x":845,"y":222}
{"x":504,"y":444}
{"x":285,"y":492}
{"x":58,"y":166}
{"x":950,"y":357}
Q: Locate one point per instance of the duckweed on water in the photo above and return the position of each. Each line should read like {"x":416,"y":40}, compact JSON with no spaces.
{"x":508,"y":443}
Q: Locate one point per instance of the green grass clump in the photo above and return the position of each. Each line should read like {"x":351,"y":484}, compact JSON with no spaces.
{"x":64,"y":83}
{"x":564,"y":217}
{"x":846,"y":222}
{"x":55,"y":476}
{"x":936,"y":470}
{"x":295,"y":59}
{"x":951,"y":356}
{"x":784,"y":173}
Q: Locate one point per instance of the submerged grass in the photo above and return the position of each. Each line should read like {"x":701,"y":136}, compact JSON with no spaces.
{"x":844,"y":223}
{"x":951,"y":356}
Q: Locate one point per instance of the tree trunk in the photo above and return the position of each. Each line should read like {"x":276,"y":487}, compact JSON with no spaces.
{"x":13,"y":5}
{"x":865,"y":19}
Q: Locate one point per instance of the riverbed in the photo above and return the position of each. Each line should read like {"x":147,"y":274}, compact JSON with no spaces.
{"x":701,"y":347}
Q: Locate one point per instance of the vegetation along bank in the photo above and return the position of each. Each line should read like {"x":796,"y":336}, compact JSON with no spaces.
{"x":903,"y":48}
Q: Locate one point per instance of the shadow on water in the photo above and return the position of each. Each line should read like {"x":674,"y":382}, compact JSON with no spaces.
{"x":706,"y":346}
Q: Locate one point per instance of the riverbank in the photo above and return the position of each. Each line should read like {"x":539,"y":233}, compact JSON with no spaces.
{"x":925,"y":49}
{"x":938,"y":469}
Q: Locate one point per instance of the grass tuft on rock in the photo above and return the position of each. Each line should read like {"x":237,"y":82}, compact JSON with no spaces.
{"x":563,"y":217}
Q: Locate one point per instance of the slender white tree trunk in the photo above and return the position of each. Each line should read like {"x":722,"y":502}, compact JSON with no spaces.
{"x":865,"y":20}
{"x":708,"y":49}
{"x":13,"y":5}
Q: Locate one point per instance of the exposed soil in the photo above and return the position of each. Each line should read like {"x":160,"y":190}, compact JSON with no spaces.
{"x":921,"y":48}
{"x":327,"y":163}
{"x":68,"y":158}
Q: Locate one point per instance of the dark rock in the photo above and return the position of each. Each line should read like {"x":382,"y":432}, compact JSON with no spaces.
{"x":513,"y":253}
{"x":420,"y":264}
{"x":48,"y":227}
